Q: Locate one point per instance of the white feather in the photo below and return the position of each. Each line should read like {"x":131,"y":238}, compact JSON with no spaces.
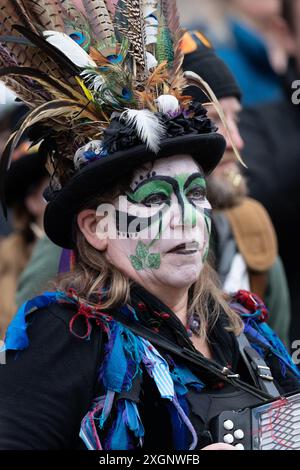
{"x":151,"y":61}
{"x":151,"y":35}
{"x":147,"y":125}
{"x":150,"y":6}
{"x":69,"y":48}
{"x":151,"y":22}
{"x":94,"y":80}
{"x":167,"y":104}
{"x":151,"y":40}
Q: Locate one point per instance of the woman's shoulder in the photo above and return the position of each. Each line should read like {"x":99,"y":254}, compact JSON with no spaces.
{"x":264,"y":340}
{"x":49,"y":375}
{"x":52,"y":316}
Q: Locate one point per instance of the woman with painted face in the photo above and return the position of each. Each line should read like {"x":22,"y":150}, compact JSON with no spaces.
{"x":136,"y":347}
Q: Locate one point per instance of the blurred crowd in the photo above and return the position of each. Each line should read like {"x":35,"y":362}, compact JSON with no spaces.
{"x":249,"y":54}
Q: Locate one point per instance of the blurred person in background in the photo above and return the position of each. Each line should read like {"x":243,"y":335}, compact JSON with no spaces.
{"x":9,"y":116}
{"x":24,"y":185}
{"x":245,"y":244}
{"x":26,"y":181}
{"x":272,"y":153}
{"x":246,"y":36}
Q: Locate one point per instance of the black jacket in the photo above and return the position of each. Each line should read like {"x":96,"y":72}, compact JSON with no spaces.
{"x":47,"y":389}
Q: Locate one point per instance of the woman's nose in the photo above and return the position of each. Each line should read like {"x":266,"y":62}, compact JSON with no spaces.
{"x":182,"y":214}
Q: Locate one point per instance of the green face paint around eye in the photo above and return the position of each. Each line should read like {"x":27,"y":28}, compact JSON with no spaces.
{"x":192,"y":193}
{"x":150,"y":189}
{"x":161,"y":189}
{"x":198,"y":182}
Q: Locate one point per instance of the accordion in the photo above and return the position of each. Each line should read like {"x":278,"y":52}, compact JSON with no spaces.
{"x":271,"y":426}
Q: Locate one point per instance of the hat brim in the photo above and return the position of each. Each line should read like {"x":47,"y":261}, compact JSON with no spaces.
{"x":99,"y":176}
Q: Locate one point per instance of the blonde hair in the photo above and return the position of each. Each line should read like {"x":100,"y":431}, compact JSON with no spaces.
{"x":93,"y":273}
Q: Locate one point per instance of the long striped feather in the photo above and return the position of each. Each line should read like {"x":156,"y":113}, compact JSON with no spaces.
{"x":25,"y":55}
{"x":50,"y":84}
{"x":46,"y":111}
{"x":133,"y":27}
{"x":171,"y":15}
{"x":99,"y":19}
{"x":47,"y":14}
{"x":23,"y":87}
{"x":11,"y":14}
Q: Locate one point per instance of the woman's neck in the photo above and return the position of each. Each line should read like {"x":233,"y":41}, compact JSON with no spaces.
{"x":177,"y":301}
{"x":174,"y":298}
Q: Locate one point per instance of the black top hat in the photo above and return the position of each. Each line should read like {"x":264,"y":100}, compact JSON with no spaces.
{"x":122,"y":151}
{"x":115,"y":86}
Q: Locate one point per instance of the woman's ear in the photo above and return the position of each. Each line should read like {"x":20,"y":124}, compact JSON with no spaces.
{"x":88,"y":223}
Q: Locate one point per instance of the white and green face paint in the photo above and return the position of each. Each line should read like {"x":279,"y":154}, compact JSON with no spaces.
{"x":165,"y":236}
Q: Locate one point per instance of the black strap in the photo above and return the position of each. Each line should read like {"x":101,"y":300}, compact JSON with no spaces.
{"x":193,"y":357}
{"x":260,"y":372}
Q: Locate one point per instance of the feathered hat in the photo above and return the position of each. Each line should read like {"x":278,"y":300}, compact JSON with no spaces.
{"x":105,"y":87}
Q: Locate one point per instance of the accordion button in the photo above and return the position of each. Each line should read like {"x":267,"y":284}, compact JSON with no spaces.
{"x":239,"y":434}
{"x":239,"y":447}
{"x":228,"y":425}
{"x":228,"y":438}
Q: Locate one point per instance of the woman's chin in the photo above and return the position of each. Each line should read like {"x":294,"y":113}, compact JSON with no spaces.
{"x":180,"y":276}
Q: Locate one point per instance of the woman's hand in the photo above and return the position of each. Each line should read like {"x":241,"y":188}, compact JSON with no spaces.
{"x":219,"y":446}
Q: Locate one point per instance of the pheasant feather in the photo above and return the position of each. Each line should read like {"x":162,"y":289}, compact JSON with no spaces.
{"x":134,"y":28}
{"x":47,"y":14}
{"x":172,"y":21}
{"x":100,"y":19}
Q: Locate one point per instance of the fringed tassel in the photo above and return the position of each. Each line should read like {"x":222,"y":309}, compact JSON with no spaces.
{"x":114,"y":366}
{"x":127,"y":425}
{"x":16,"y":336}
{"x":133,"y":420}
{"x":278,"y":347}
{"x":262,"y":339}
{"x":109,"y":400}
{"x":122,"y":359}
{"x":187,"y":422}
{"x":88,"y":431}
{"x":180,"y":432}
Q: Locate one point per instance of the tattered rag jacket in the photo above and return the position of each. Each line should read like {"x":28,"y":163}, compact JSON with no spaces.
{"x":75,"y":378}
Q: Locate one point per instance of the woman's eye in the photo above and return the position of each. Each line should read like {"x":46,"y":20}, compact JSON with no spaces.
{"x":155,"y":199}
{"x":197,"y":194}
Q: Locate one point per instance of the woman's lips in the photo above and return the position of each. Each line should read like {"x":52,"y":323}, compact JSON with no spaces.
{"x":185,"y":249}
